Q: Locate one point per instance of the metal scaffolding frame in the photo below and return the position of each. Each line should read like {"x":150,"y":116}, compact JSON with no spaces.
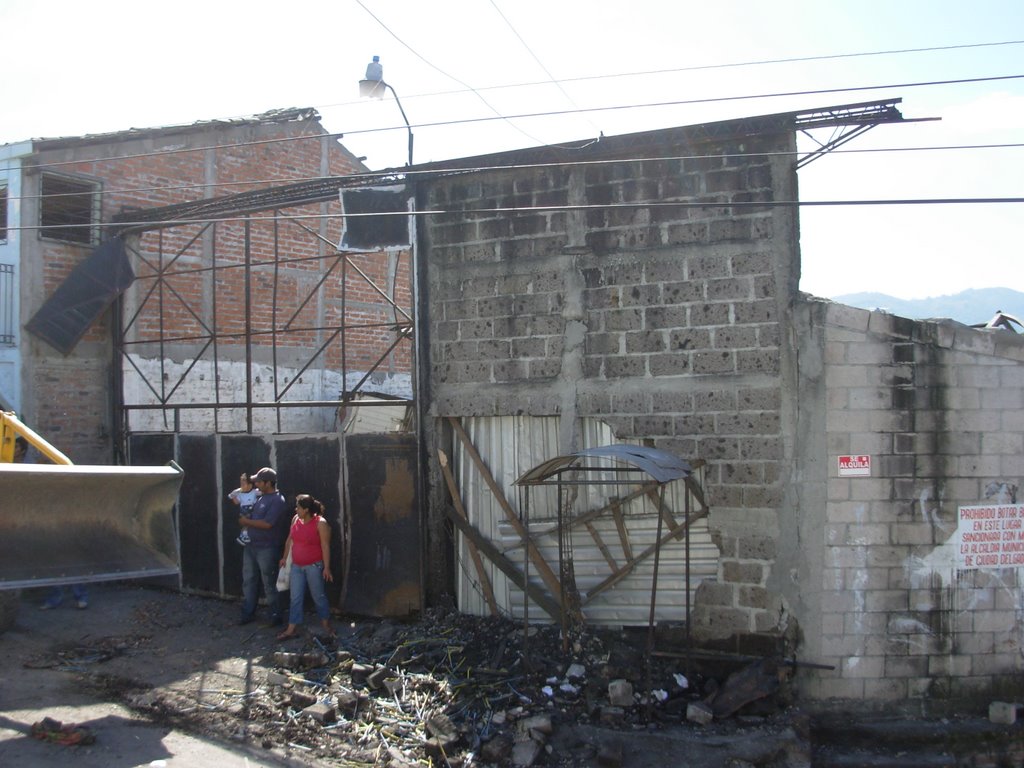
{"x":179,"y":229}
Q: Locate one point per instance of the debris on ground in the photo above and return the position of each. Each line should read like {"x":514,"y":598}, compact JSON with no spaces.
{"x":448,"y":689}
{"x":66,"y":735}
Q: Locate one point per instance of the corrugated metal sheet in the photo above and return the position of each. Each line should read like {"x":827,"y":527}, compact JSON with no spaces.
{"x":509,"y":447}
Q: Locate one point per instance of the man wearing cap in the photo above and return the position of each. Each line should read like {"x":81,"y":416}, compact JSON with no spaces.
{"x":260,"y":558}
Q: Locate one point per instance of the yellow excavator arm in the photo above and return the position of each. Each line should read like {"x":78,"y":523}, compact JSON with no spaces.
{"x":11,"y":428}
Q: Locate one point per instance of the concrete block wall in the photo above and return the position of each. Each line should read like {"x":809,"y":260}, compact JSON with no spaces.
{"x":603,"y":299}
{"x":937,"y":407}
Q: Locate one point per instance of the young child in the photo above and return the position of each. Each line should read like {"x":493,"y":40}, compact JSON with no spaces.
{"x":244,"y":496}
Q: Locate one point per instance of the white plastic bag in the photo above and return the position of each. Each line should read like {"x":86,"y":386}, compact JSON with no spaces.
{"x":284,"y":575}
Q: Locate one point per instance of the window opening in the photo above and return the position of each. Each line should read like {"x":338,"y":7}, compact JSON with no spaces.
{"x":3,"y":213}
{"x":69,"y":209}
{"x":7,"y":304}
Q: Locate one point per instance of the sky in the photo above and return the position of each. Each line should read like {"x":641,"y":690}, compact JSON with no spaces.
{"x":482,"y":76}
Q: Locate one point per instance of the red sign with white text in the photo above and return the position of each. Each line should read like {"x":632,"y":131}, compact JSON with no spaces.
{"x":855,"y":466}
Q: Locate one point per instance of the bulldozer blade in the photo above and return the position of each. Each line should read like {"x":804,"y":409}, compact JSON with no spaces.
{"x":77,"y":523}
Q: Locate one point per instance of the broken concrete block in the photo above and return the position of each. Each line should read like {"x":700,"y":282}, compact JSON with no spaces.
{"x":301,"y":699}
{"x":322,"y":713}
{"x":575,"y":672}
{"x":699,"y":712}
{"x":525,"y":753}
{"x":539,"y":723}
{"x":620,"y":693}
{"x":376,"y":678}
{"x":497,"y":750}
{"x":612,"y":715}
{"x":359,"y":673}
{"x":610,"y":755}
{"x":277,"y":678}
{"x":1002,"y":713}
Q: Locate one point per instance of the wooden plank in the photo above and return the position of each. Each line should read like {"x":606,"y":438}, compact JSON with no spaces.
{"x":506,"y":566}
{"x":543,"y":569}
{"x":474,"y":553}
{"x":596,"y":536}
{"x":619,"y":575}
{"x":620,"y":523}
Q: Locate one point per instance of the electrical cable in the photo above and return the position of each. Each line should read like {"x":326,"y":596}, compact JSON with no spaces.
{"x":701,"y":67}
{"x":552,"y":113}
{"x":524,"y":166}
{"x":547,"y":208}
{"x":449,"y":76}
{"x":540,"y":64}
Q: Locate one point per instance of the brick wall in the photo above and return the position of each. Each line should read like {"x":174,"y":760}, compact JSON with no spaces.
{"x":666,"y":321}
{"x":938,"y":408}
{"x":148,"y":170}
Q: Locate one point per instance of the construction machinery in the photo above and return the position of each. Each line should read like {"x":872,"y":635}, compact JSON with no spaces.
{"x":65,"y":523}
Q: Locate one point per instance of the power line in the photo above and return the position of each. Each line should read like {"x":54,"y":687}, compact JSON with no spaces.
{"x":540,"y":64}
{"x":521,"y":166}
{"x":728,"y":65}
{"x":449,"y":76}
{"x":466,"y":212}
{"x":553,"y":113}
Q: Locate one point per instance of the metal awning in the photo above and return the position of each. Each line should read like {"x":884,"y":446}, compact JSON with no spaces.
{"x":663,"y":466}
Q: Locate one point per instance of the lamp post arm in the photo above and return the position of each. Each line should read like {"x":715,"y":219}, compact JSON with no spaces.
{"x":406,"y":119}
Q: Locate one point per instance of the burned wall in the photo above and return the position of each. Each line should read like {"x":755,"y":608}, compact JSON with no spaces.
{"x":646,"y":284}
{"x":890,"y":592}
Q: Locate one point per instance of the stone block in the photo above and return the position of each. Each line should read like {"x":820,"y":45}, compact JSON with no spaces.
{"x":538,"y":723}
{"x":612,"y":716}
{"x":277,"y":678}
{"x":610,"y":755}
{"x":620,"y":693}
{"x":699,"y":712}
{"x":302,"y":700}
{"x":1002,"y":712}
{"x":525,"y":753}
{"x":322,"y":713}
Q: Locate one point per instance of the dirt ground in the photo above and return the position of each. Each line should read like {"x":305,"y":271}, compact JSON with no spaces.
{"x":164,"y":679}
{"x":150,"y":677}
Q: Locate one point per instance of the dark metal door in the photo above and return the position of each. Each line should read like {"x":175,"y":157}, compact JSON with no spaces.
{"x":384,"y":576}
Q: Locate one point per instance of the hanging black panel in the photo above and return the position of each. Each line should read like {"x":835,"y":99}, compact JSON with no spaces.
{"x":86,"y":294}
{"x":386,"y":226}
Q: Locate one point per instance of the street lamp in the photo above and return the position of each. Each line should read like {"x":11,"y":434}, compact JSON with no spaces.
{"x":373,"y":87}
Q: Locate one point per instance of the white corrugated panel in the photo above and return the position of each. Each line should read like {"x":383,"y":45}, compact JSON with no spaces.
{"x":509,"y":446}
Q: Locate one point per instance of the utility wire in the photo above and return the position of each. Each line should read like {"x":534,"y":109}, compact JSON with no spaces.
{"x":257,"y":217}
{"x":540,"y":64}
{"x":433,"y":66}
{"x":466,"y":121}
{"x":370,"y":175}
{"x":728,"y":65}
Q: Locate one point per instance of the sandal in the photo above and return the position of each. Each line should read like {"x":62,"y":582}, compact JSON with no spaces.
{"x":286,"y":635}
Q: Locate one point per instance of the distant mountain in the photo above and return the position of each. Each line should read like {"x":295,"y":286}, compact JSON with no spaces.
{"x":971,"y":307}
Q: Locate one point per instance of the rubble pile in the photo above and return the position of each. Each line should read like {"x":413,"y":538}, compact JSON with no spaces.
{"x":446,"y":690}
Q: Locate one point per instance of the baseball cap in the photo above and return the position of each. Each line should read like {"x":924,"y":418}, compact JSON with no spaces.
{"x":266,"y":473}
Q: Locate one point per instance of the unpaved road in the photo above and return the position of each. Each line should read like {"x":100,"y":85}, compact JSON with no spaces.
{"x":77,"y":666}
{"x":164,"y":679}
